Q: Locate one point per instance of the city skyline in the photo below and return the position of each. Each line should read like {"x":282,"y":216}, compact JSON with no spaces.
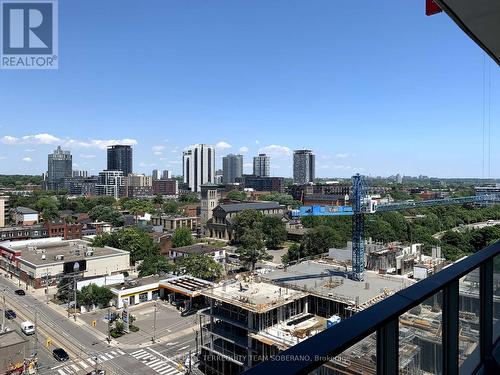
{"x":270,"y":89}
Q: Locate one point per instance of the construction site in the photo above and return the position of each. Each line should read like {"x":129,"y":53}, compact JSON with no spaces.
{"x":254,"y":318}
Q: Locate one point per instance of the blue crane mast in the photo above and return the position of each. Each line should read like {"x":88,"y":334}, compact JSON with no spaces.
{"x":363,"y":204}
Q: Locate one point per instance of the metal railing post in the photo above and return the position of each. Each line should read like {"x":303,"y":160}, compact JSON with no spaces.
{"x":388,"y":348}
{"x":450,"y":328}
{"x":486,"y":312}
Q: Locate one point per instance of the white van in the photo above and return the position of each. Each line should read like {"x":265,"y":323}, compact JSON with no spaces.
{"x":28,"y":328}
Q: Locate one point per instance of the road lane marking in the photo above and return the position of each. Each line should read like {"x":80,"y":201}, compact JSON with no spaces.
{"x":108,"y":355}
{"x":75,"y":367}
{"x":120,"y":351}
{"x":83,"y":364}
{"x":60,"y":371}
{"x":114,"y":353}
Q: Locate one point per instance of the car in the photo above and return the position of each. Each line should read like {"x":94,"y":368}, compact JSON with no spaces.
{"x":98,"y":372}
{"x":10,"y":314}
{"x":60,"y":354}
{"x":20,"y":292}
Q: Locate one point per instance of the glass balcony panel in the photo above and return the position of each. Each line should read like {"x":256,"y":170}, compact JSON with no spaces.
{"x":420,"y":341}
{"x":496,"y":298}
{"x":359,"y":359}
{"x":468,"y":326}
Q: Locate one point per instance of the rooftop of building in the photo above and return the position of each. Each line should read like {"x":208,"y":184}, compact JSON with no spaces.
{"x":236,"y":207}
{"x":198,"y":248}
{"x":258,"y":297}
{"x":172,"y":216}
{"x":24,"y":210}
{"x":44,"y":251}
{"x":329,"y":281}
{"x":186,"y":285}
{"x":11,"y":338}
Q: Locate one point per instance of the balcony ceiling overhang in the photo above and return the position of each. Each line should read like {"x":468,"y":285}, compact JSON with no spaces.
{"x":480,"y":19}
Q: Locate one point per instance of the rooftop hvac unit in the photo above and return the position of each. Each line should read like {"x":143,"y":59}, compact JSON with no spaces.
{"x":59,"y":257}
{"x":43,"y":257}
{"x":89,"y":252}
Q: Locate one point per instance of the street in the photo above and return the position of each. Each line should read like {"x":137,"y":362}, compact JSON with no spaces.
{"x":84,"y":346}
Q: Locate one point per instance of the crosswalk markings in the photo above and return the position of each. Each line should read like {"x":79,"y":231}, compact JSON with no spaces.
{"x":155,"y":361}
{"x":77,"y":367}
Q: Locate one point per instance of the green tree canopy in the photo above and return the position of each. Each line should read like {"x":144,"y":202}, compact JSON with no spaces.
{"x":93,"y":295}
{"x":284,"y":199}
{"x":274,"y":231}
{"x":182,"y":237}
{"x":135,"y":240}
{"x":201,"y":266}
{"x":48,"y":206}
{"x":107,"y":214}
{"x":318,"y":240}
{"x":236,"y":195}
{"x":155,"y":264}
{"x":251,"y":247}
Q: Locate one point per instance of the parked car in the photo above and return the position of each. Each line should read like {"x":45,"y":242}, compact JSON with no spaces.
{"x":10,"y":314}
{"x":60,"y":354}
{"x":98,"y":372}
{"x":20,"y":292}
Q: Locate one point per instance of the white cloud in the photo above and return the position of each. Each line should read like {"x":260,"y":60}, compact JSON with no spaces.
{"x":9,"y":140}
{"x":158,"y":148}
{"x":48,"y":139}
{"x":30,"y":150}
{"x":27,"y":159}
{"x":342,"y":156}
{"x":87,"y":156}
{"x":247,"y":165}
{"x":222,"y":145}
{"x":101,"y":144}
{"x":157,"y":153}
{"x":43,"y":138}
{"x":275,"y":150}
{"x":243,"y":149}
{"x":257,"y":142}
{"x":147,"y":165}
{"x":3,"y":157}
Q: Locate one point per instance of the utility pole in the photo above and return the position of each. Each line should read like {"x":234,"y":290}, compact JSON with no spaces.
{"x":74,"y":294}
{"x":154,"y":325}
{"x":35,"y":345}
{"x":4,"y":312}
{"x":69,"y":296}
{"x":109,"y":325}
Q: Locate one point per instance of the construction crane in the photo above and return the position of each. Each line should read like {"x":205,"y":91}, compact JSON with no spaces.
{"x":362,"y":203}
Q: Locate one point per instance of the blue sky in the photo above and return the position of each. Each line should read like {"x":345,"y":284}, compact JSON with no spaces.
{"x":371,"y":87}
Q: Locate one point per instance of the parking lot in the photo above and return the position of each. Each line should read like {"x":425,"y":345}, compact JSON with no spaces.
{"x":169,"y":323}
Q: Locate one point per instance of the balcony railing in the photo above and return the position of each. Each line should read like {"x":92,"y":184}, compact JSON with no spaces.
{"x":383,"y":319}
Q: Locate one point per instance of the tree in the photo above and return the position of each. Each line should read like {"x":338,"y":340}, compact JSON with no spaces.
{"x":235,"y":195}
{"x":251,"y":249}
{"x":182,"y":237}
{"x":274,"y":231}
{"x":189,"y":198}
{"x":158,"y":199}
{"x":201,"y":266}
{"x":284,"y":199}
{"x":132,"y":239}
{"x":247,"y":219}
{"x":138,"y":206}
{"x":155,"y":264}
{"x":292,"y":254}
{"x":93,"y":295}
{"x":48,"y":206}
{"x":107,"y":214}
{"x":171,"y":207}
{"x":318,"y":240}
